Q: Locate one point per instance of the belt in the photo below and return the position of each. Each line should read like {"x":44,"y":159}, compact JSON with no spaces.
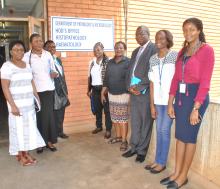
{"x":97,"y":87}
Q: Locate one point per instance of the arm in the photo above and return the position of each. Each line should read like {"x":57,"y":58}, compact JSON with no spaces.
{"x":152,"y":106}
{"x":145,"y":82}
{"x":53,"y":72}
{"x":170,"y":109}
{"x":5,"y":87}
{"x":89,"y":88}
{"x":206,"y":68}
{"x":103,"y":94}
{"x":35,"y":90}
{"x":207,"y":64}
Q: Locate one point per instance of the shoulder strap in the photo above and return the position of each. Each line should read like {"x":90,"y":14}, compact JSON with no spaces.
{"x":30,"y":58}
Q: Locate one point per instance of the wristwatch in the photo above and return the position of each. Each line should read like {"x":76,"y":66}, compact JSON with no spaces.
{"x":195,"y":109}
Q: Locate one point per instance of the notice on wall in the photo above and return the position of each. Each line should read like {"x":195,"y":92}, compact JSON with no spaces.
{"x":80,"y":34}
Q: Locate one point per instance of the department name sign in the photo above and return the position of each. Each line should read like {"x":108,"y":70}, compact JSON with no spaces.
{"x":80,"y":34}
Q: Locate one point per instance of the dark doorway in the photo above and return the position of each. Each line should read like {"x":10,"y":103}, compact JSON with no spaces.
{"x":3,"y":105}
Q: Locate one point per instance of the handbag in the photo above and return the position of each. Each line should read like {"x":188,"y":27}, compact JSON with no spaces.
{"x":60,"y":101}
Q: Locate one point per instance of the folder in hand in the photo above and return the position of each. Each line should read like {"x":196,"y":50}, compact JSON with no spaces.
{"x":37,"y":104}
{"x":134,"y":81}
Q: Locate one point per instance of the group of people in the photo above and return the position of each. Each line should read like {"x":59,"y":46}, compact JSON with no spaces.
{"x":158,"y":84}
{"x":36,"y":93}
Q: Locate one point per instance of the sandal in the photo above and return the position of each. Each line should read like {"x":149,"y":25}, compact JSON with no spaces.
{"x":124,"y":146}
{"x":28,"y":157}
{"x":115,"y":140}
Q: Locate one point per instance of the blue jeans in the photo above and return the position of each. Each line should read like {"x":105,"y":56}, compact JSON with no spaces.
{"x":163,"y":123}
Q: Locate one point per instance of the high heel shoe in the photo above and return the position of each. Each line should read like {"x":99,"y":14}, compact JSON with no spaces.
{"x":40,"y":150}
{"x":52,"y":148}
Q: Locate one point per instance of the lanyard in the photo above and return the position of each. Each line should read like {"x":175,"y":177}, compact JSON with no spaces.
{"x":184,"y":61}
{"x":161,"y":71}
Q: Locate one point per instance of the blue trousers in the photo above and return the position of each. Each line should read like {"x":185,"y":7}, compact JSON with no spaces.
{"x":163,"y":124}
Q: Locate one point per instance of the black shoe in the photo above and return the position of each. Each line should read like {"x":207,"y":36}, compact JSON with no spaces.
{"x":52,"y":149}
{"x":153,"y":171}
{"x":107,"y":134}
{"x":174,"y":185}
{"x":148,"y":167}
{"x":64,"y":136}
{"x":97,"y":130}
{"x":40,"y":150}
{"x":128,"y":154}
{"x":140,"y":158}
{"x":166,"y":181}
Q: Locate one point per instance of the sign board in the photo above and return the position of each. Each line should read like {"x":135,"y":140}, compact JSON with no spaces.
{"x":80,"y":34}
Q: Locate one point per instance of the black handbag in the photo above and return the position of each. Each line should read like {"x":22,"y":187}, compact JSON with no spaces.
{"x":60,"y":101}
{"x":60,"y":94}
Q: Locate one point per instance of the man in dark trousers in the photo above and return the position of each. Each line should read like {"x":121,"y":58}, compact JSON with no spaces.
{"x":138,"y":85}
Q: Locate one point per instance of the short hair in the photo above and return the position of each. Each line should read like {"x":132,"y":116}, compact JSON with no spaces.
{"x":48,"y":42}
{"x":169,"y":37}
{"x":145,"y":29}
{"x":121,"y":42}
{"x":16,"y":42}
{"x":33,"y":36}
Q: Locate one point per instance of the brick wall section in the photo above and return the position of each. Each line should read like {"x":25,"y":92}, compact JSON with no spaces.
{"x":76,"y":63}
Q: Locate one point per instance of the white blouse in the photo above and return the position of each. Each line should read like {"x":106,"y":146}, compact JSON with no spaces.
{"x":42,"y":66}
{"x":161,"y":74}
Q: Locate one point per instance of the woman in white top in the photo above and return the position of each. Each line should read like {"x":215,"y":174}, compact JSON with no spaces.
{"x":162,"y":67}
{"x":97,"y":69}
{"x":44,"y":72}
{"x":19,"y":90}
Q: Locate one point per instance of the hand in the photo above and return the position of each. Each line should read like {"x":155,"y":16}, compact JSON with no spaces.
{"x":194,"y":117}
{"x":134,"y":91}
{"x":153,"y":112}
{"x":103,"y":98}
{"x":53,"y":74}
{"x":170,"y":111}
{"x":89,"y":93}
{"x":15,"y":111}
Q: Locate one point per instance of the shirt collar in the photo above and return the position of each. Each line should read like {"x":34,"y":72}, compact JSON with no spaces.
{"x":145,"y":45}
{"x":95,"y":61}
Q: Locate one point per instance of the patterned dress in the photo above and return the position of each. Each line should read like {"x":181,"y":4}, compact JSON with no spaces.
{"x":23,"y":132}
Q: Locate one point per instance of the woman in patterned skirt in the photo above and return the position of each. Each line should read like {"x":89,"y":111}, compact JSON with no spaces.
{"x":115,"y":85}
{"x":19,"y":90}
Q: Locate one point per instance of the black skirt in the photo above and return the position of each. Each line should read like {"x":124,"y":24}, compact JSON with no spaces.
{"x":45,"y":118}
{"x":183,"y":106}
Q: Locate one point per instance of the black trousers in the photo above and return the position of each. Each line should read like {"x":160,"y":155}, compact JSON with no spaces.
{"x":96,"y":93}
{"x":59,"y":118}
{"x":45,"y":118}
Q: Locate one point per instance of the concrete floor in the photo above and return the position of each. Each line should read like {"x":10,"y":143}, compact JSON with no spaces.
{"x":84,"y":161}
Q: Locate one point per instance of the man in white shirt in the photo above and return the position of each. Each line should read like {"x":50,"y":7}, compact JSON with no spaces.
{"x":43,"y":69}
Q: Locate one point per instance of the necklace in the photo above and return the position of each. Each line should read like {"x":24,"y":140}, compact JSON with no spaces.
{"x":192,"y":50}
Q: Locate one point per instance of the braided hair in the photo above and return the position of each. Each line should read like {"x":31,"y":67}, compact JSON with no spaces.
{"x":99,"y":44}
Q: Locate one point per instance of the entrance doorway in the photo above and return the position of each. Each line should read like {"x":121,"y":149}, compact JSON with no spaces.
{"x":18,"y":20}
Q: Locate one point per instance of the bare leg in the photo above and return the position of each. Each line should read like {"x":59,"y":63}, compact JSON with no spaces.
{"x":180,"y":153}
{"x":188,"y":158}
{"x":118,"y":130}
{"x":124,"y":130}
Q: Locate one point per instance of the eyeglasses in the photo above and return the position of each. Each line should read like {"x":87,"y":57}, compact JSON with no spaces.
{"x":17,"y":50}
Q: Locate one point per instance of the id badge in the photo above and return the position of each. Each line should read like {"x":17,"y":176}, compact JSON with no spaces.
{"x":182,"y":88}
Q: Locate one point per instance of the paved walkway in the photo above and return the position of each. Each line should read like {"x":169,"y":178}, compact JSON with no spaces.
{"x":84,"y":161}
